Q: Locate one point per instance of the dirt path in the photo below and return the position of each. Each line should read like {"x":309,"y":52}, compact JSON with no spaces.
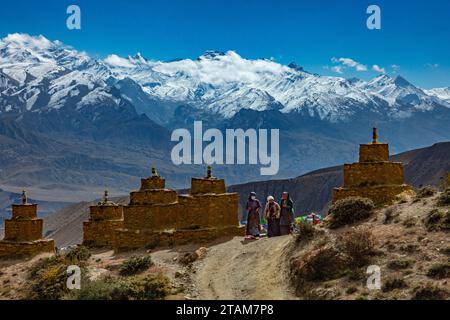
{"x":240,"y":269}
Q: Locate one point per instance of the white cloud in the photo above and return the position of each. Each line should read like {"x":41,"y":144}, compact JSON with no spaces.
{"x":432,"y":65}
{"x":395,"y":66}
{"x":348,"y":62}
{"x":227,"y":68}
{"x":116,"y":61}
{"x":337,"y":69}
{"x":377,"y":68}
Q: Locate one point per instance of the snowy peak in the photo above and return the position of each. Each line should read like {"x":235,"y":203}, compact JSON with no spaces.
{"x":38,"y":73}
{"x":211,"y":55}
{"x":440,"y":93}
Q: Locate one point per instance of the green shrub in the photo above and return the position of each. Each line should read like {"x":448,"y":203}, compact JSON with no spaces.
{"x":439,"y":271}
{"x":437,"y":220}
{"x":410,"y":221}
{"x":446,"y":251}
{"x":425,"y":192}
{"x":444,"y":198}
{"x":78,"y":254}
{"x":104,"y":289}
{"x":306,"y":231}
{"x":135,"y":265}
{"x":393,"y":283}
{"x":358,"y":245}
{"x":389,"y":215}
{"x":48,"y":279}
{"x":351,"y":290}
{"x":400,"y":264}
{"x":429,"y":292}
{"x":350,"y":210}
{"x":148,"y":287}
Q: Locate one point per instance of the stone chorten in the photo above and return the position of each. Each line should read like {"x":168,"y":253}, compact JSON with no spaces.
{"x":159,"y":216}
{"x":23,"y":232}
{"x":104,"y":218}
{"x":374,"y":176}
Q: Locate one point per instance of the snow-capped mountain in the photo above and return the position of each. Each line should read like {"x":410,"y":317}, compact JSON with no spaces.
{"x":41,"y":75}
{"x":440,"y":93}
{"x":225,"y":83}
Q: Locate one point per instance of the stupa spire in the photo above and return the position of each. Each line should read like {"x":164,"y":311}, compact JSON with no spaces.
{"x":24,"y":197}
{"x":374,"y":135}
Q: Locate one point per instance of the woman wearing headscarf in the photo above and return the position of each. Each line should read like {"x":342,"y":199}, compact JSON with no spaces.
{"x":272,"y":216}
{"x":286,"y":214}
{"x":252,"y":207}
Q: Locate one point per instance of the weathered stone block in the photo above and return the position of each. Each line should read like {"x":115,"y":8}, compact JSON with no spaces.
{"x":373,"y":173}
{"x":373,"y":152}
{"x":154,"y":182}
{"x":23,"y":229}
{"x":100,"y":233}
{"x":12,"y":249}
{"x":21,"y":211}
{"x":380,"y":195}
{"x":202,"y":186}
{"x":153,"y":196}
{"x":106,"y":212}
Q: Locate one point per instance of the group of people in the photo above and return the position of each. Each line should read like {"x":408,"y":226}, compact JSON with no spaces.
{"x":279,"y":216}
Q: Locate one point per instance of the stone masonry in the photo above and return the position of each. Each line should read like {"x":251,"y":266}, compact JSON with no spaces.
{"x":374,"y":176}
{"x":105,"y":217}
{"x":157,"y":216}
{"x":23,"y":233}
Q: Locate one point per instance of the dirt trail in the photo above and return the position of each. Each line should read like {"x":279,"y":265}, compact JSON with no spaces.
{"x":239,"y":269}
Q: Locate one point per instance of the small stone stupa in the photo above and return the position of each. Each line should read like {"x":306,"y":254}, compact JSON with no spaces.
{"x":374,"y":176}
{"x":23,"y":233}
{"x":104,"y":218}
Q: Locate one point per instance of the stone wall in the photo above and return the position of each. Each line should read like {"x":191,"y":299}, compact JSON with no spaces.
{"x":133,"y":239}
{"x":104,"y":219}
{"x":23,"y":229}
{"x":154,"y":182}
{"x":108,"y":212}
{"x":151,"y":217}
{"x":100,"y":233}
{"x":380,"y":195}
{"x":373,"y":173}
{"x":156,"y":196}
{"x":20,"y":211}
{"x":373,"y":152}
{"x":11,"y":249}
{"x":202,"y":186}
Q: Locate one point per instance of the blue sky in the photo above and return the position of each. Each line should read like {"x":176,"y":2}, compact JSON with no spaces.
{"x":415,"y":35}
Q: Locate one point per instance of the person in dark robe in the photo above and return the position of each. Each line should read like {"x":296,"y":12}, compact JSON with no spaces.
{"x":272,"y":216}
{"x":253,"y":206}
{"x":286,"y":214}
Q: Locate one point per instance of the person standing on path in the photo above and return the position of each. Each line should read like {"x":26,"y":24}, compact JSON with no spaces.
{"x":253,"y":206}
{"x":286,"y":214}
{"x":272,"y":216}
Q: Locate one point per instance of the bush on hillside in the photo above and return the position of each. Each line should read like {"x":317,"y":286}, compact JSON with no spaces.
{"x":444,"y":198}
{"x":78,"y":254}
{"x":148,"y":287}
{"x":350,"y":210}
{"x":425,"y":192}
{"x":358,"y":246}
{"x":135,"y":265}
